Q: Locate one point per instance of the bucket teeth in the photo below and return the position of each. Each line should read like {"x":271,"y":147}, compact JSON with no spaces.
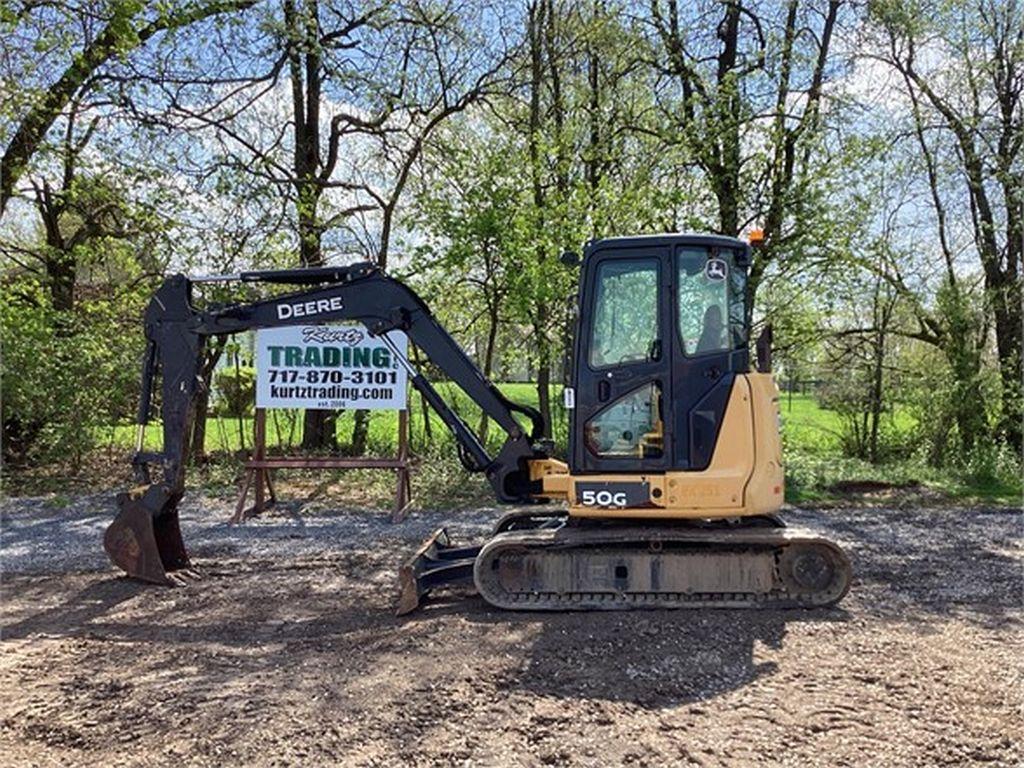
{"x":145,"y":538}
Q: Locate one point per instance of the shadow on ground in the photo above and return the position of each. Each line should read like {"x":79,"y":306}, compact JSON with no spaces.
{"x":652,"y":658}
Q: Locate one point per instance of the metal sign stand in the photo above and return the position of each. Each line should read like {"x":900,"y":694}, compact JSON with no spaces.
{"x":257,"y":470}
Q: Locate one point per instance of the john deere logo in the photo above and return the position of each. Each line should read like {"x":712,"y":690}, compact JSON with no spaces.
{"x":307,"y":308}
{"x":716,"y":269}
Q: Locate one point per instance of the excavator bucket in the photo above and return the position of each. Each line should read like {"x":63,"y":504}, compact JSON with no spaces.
{"x":145,"y":539}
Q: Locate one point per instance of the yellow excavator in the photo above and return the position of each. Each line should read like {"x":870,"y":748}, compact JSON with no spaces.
{"x":668,"y":495}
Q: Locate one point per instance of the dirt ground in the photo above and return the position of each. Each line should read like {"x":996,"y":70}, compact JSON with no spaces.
{"x":287,"y":653}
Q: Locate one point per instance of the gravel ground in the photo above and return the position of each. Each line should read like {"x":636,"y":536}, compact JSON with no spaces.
{"x":287,"y":653}
{"x":60,"y":535}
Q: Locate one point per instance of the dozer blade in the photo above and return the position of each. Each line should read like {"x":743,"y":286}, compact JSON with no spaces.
{"x":145,"y":539}
{"x":436,"y":563}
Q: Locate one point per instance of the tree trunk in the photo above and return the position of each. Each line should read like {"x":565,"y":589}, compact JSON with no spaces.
{"x":60,"y":264}
{"x":197,"y":449}
{"x":492,"y":336}
{"x":876,"y":394}
{"x":318,"y":427}
{"x":360,"y":432}
{"x":60,"y":270}
{"x":728,"y":103}
{"x":1007,"y":312}
{"x":968,"y":403}
{"x":536,"y":30}
{"x":544,"y":386}
{"x":428,"y":434}
{"x":594,"y":159}
{"x":318,"y":431}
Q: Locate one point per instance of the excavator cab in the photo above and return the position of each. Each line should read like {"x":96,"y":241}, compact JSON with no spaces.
{"x":662,"y":333}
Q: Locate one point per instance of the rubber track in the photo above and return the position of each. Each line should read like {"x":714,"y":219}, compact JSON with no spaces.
{"x":782,"y":594}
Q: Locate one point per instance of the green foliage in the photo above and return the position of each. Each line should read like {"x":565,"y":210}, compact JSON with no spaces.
{"x":65,"y":372}
{"x":815,"y":465}
{"x":813,"y":461}
{"x":991,"y":464}
{"x":599,"y":120}
{"x":234,"y":390}
{"x":963,"y":347}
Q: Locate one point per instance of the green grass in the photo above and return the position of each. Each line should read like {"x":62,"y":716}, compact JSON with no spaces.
{"x":806,"y":427}
{"x":284,"y":427}
{"x":815,"y":462}
{"x":811,"y":439}
{"x":809,"y":428}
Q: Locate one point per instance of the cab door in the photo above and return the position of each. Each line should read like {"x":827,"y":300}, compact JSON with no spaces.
{"x":622,"y":382}
{"x":708,"y":347}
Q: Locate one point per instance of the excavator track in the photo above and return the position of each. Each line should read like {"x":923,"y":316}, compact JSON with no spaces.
{"x":621,"y":567}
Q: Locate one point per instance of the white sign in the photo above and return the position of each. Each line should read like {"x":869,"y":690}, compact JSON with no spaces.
{"x":328,"y":366}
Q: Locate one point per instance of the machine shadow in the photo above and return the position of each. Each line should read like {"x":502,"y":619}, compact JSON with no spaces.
{"x":77,"y":613}
{"x":655,"y":659}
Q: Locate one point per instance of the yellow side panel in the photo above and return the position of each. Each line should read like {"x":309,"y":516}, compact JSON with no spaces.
{"x":721,"y":484}
{"x":743,"y":478}
{"x":765,"y":490}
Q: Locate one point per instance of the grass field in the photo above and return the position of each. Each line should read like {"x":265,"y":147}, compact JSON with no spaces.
{"x":284,"y":427}
{"x":811,"y":436}
{"x":806,"y":426}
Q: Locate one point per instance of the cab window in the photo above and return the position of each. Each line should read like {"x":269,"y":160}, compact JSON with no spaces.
{"x":630,"y":427}
{"x":625,"y":325}
{"x":704,"y":307}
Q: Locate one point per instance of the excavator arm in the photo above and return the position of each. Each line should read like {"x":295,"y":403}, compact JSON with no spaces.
{"x":145,"y":538}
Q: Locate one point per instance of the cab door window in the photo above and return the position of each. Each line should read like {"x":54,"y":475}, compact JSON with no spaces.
{"x":630,"y":427}
{"x":625,"y":326}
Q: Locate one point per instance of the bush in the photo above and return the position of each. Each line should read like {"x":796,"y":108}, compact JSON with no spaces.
{"x":63,"y":375}
{"x":849,"y":401}
{"x":234,"y":391}
{"x":991,"y":463}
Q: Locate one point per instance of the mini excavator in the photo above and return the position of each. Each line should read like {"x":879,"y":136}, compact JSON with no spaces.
{"x":669,"y":494}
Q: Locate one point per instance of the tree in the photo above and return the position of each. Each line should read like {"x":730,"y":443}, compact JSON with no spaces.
{"x":367,"y":84}
{"x":967,"y":90}
{"x":580,"y":121}
{"x":742,"y":90}
{"x":128,"y":24}
{"x":937,"y":296}
{"x":72,"y":286}
{"x":471,"y":210}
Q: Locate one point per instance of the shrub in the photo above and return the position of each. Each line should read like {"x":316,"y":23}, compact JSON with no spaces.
{"x":991,"y":463}
{"x":63,"y":374}
{"x":234,"y":390}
